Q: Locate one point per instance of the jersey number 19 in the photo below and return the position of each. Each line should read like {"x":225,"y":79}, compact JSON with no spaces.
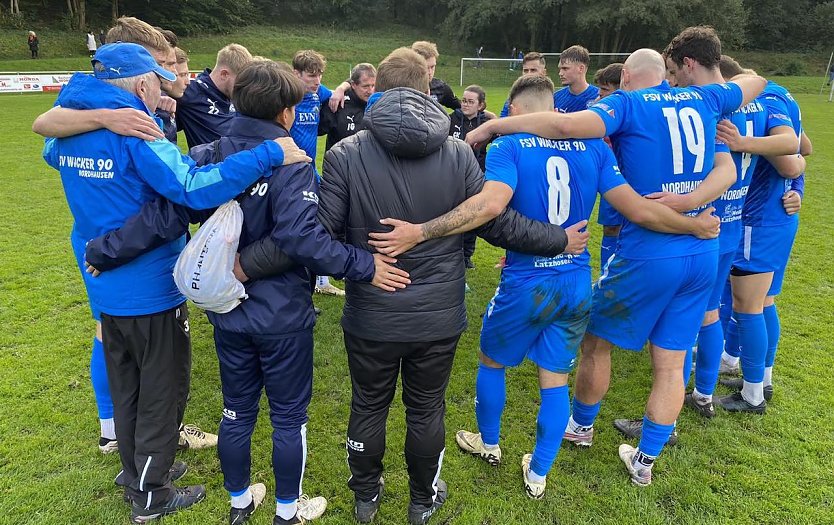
{"x":693,"y":130}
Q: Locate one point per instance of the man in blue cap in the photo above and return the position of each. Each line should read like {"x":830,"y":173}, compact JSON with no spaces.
{"x":107,"y":178}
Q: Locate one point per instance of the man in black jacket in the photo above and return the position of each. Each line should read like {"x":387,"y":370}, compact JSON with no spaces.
{"x":438,"y":89}
{"x":403,"y":164}
{"x":347,"y":120}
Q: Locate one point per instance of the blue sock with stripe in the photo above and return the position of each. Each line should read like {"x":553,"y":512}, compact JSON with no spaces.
{"x":710,"y":346}
{"x":752,"y":337}
{"x":687,"y":366}
{"x":731,"y":339}
{"x":550,"y":427}
{"x":490,"y":397}
{"x":725,"y":310}
{"x":654,"y":437}
{"x":774,"y":332}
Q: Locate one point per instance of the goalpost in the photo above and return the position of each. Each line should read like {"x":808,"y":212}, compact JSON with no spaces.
{"x":504,"y":71}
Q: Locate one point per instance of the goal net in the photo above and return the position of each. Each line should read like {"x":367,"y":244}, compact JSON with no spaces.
{"x":502,"y":72}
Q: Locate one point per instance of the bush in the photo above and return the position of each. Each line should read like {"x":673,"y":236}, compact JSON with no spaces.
{"x":791,"y":67}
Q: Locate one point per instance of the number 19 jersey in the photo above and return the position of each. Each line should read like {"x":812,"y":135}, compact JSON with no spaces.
{"x":553,"y":181}
{"x":665,"y":141}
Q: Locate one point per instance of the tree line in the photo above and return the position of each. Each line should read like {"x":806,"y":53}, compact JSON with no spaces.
{"x":498,"y":25}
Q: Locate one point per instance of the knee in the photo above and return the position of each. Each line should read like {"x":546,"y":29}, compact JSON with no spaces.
{"x":487,"y":362}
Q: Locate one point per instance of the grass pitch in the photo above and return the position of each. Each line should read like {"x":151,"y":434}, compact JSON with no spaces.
{"x":744,"y":469}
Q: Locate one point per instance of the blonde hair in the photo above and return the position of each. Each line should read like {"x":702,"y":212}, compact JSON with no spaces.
{"x":233,"y":57}
{"x":132,"y":30}
{"x":404,"y":67}
{"x":182,"y":56}
{"x":426,"y":49}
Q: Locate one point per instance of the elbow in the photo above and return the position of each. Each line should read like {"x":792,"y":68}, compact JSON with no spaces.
{"x":492,"y":209}
{"x":39,"y":127}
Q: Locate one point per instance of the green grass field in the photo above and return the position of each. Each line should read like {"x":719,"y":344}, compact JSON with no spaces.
{"x":741,"y":469}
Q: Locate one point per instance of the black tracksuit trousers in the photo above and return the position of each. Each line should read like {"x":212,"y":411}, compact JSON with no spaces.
{"x":374,"y":369}
{"x":149,"y":368}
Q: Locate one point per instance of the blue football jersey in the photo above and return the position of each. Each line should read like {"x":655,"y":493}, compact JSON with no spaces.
{"x":764,"y":200}
{"x":566,"y":102}
{"x":203,"y":111}
{"x":665,"y":141}
{"x":305,"y":128}
{"x":756,"y":119}
{"x":553,"y":181}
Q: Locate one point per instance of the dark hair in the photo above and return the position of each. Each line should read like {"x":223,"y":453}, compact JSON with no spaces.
{"x":169,"y":35}
{"x":533,"y":55}
{"x":478,"y":90}
{"x":535,"y":84}
{"x":404,"y":67}
{"x":729,"y":67}
{"x":263,"y":89}
{"x":700,"y":43}
{"x":609,"y":75}
{"x":575,"y":54}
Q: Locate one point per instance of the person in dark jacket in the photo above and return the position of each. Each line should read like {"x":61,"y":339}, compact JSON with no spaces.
{"x":468,"y":117}
{"x":34,"y":45}
{"x":439,"y":90}
{"x":267,"y":341}
{"x":347,"y":120}
{"x":402,"y":163}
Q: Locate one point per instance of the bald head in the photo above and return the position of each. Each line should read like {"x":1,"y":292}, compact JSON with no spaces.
{"x":643,"y":69}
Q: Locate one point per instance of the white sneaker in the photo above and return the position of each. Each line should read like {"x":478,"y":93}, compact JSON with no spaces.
{"x":473,"y":443}
{"x":238,"y":516}
{"x":582,"y":437}
{"x":640,"y":476}
{"x":108,"y":446}
{"x":192,"y":437}
{"x":311,"y":508}
{"x":726,"y":369}
{"x":329,"y":289}
{"x":534,"y":490}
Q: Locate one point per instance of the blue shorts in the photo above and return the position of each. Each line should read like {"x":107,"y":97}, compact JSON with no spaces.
{"x":607,"y":215}
{"x":660,"y":300}
{"x":766,"y":249}
{"x":725,"y":263}
{"x":542,"y":319}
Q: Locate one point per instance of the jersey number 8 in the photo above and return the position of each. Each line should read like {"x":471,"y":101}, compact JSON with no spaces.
{"x":558,"y":190}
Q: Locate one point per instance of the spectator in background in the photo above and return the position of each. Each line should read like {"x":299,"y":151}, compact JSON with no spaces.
{"x":438,"y":89}
{"x":102,"y":39}
{"x":830,"y":74}
{"x":478,"y":52}
{"x":91,"y":43}
{"x":512,"y":57}
{"x":33,"y":44}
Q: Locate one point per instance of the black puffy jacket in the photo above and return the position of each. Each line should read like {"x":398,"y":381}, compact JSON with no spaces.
{"x":404,"y":165}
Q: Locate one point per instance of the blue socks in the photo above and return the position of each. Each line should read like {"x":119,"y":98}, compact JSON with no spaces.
{"x":550,"y":427}
{"x":725,"y":310}
{"x":584,"y":415}
{"x":752,"y":337}
{"x":98,"y":376}
{"x":490,"y":397}
{"x":606,"y":249}
{"x":654,"y":437}
{"x":774,"y":331}
{"x":731,"y":338}
{"x":710,"y":346}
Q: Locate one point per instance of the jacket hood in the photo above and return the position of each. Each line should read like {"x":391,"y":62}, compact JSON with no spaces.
{"x":407,"y":123}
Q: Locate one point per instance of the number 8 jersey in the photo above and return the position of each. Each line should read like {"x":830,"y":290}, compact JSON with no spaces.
{"x":554,"y":181}
{"x":664,"y":139}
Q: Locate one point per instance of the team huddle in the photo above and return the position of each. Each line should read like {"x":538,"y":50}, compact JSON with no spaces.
{"x":698,"y":163}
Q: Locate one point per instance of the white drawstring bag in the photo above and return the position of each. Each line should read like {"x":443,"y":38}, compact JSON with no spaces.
{"x":204,"y":271}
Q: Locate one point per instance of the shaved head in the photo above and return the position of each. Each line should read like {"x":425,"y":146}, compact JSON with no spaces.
{"x":642,"y":69}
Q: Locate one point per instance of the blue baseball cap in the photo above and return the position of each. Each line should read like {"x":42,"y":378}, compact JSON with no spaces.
{"x":123,"y":60}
